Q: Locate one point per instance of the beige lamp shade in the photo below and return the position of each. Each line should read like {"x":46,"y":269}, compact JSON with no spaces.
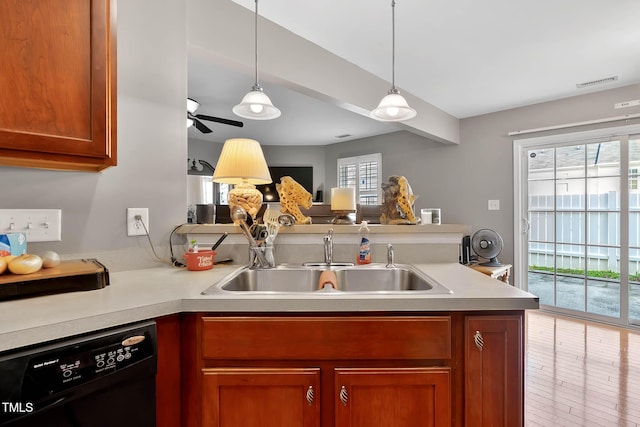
{"x":242,"y":161}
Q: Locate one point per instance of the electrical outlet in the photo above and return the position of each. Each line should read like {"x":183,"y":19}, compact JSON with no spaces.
{"x":494,"y":205}
{"x":39,"y":225}
{"x":134,"y":226}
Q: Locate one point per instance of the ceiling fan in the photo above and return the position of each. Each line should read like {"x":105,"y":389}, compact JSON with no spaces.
{"x":194,"y":119}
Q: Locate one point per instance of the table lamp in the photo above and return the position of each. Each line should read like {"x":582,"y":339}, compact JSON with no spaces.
{"x":343,"y":202}
{"x":242,"y":164}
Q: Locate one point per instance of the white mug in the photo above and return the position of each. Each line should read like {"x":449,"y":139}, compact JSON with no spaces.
{"x":426,"y":216}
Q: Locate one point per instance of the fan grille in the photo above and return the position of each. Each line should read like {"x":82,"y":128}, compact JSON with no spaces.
{"x":487,"y":244}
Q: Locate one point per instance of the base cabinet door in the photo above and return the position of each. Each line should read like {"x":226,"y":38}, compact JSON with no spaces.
{"x":393,"y":397}
{"x":494,"y":360}
{"x":256,"y":397}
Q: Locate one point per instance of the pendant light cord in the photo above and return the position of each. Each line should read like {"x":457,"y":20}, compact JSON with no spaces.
{"x":393,"y":45}
{"x":255,"y":34}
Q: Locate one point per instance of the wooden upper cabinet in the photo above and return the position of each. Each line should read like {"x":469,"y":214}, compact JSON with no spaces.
{"x":58,"y":84}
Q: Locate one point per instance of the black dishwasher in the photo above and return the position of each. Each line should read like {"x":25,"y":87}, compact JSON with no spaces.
{"x":101,"y":379}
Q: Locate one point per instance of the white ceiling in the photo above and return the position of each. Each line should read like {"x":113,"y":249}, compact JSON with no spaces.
{"x":465,"y":57}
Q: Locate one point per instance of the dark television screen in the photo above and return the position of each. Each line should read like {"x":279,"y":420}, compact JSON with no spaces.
{"x":302,"y":174}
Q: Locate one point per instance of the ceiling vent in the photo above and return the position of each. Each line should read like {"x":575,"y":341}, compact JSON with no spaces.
{"x":597,"y":82}
{"x":344,"y":135}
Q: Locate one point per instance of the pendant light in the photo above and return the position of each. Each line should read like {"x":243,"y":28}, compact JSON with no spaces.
{"x":393,"y":107}
{"x":256,"y":105}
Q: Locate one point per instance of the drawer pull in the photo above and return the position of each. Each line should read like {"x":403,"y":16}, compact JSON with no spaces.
{"x":310,"y":395}
{"x":478,"y":340}
{"x":344,"y":396}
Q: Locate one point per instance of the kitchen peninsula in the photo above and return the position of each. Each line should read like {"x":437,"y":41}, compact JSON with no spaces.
{"x":321,"y":356}
{"x":440,"y":352}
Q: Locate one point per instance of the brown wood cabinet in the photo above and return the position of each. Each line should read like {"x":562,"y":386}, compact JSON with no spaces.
{"x":494,"y":363}
{"x":168,"y":410}
{"x":352,"y":370}
{"x":392,"y":397}
{"x":260,"y":397}
{"x":58,"y":84}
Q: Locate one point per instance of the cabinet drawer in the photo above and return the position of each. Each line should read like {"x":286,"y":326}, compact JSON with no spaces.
{"x":322,"y":338}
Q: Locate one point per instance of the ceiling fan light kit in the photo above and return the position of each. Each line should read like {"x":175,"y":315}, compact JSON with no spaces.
{"x":256,"y":105}
{"x":393,"y":107}
{"x":194,"y":119}
{"x":192,"y":105}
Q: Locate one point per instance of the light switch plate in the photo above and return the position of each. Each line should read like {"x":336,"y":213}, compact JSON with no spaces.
{"x":39,"y":225}
{"x":494,"y":205}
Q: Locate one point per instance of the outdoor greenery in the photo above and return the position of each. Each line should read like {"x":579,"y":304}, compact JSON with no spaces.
{"x":591,"y":273}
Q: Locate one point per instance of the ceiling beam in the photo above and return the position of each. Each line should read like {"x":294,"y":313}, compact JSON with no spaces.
{"x":225,"y":30}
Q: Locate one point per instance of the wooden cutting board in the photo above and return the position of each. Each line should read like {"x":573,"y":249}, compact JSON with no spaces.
{"x":68,"y":276}
{"x":65,"y":268}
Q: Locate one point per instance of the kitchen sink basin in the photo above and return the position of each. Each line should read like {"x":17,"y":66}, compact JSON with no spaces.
{"x":372,"y":278}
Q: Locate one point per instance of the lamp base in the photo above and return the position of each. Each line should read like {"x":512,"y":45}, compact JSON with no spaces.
{"x":343,"y":217}
{"x":247,"y":196}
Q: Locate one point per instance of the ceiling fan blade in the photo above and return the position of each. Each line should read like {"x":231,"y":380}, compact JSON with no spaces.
{"x":220,"y":120}
{"x":200,"y":126}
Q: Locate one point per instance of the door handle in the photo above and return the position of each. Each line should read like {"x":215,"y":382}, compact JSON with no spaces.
{"x":344,"y":396}
{"x":477,"y":338}
{"x":310,"y":395}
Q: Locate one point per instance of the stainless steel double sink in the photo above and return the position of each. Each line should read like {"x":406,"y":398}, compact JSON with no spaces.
{"x":289,"y":278}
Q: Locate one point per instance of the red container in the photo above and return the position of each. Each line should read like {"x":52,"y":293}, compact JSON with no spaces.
{"x":201,"y":260}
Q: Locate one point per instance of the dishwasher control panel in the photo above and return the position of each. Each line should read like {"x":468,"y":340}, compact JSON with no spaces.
{"x":59,"y":367}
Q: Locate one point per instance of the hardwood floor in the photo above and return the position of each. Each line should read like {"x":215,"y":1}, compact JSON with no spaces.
{"x":580,"y":373}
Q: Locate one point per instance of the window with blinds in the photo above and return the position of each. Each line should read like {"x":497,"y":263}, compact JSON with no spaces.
{"x":364,"y":174}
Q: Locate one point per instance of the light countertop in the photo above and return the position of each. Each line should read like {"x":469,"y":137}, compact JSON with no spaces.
{"x":149,"y":293}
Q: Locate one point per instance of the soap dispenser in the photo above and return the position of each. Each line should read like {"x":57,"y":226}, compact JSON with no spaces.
{"x":364,"y":250}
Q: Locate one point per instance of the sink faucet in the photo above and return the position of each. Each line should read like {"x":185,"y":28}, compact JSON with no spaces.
{"x":328,"y":247}
{"x":390,"y":256}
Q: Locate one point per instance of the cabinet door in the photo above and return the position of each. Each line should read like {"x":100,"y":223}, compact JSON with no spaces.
{"x":234,"y":397}
{"x":494,"y":386}
{"x":58,"y":84}
{"x":393,"y":397}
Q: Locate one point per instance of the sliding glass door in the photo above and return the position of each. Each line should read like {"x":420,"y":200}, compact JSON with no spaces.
{"x":574,"y":217}
{"x":634,"y":229}
{"x":579,"y":203}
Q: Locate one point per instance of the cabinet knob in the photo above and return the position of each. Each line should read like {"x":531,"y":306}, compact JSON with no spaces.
{"x":344,"y":396}
{"x":477,"y":338}
{"x":310,"y":395}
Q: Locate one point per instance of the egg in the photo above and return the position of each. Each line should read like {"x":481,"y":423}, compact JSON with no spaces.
{"x":49,"y":259}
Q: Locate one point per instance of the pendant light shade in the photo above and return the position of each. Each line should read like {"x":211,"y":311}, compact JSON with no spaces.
{"x":256,"y":105}
{"x":393,"y":107}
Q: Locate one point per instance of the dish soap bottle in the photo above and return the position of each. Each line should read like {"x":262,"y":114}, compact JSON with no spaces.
{"x":364,"y":251}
